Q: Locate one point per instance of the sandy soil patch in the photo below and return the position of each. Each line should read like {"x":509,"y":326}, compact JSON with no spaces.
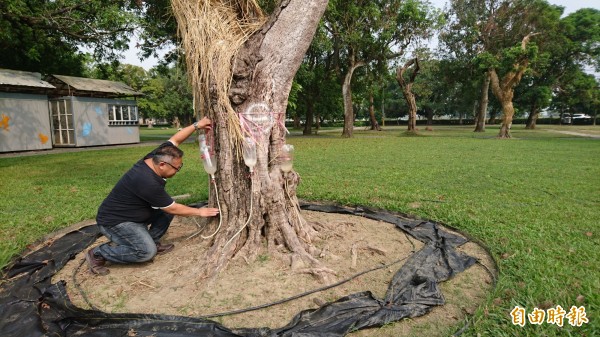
{"x":347,"y":244}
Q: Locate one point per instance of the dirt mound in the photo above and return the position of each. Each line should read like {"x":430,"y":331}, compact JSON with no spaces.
{"x":348,"y":244}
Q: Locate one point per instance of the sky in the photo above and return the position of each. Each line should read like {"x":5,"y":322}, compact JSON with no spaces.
{"x":571,"y":6}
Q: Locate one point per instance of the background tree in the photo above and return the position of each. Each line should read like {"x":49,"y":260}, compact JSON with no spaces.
{"x":578,"y":93}
{"x":515,"y":63}
{"x":151,"y":104}
{"x":582,"y":28}
{"x":431,"y":86}
{"x":577,"y":47}
{"x":563,"y":50}
{"x":319,"y":82}
{"x":510,"y":49}
{"x":406,"y":81}
{"x":395,"y":103}
{"x":534,"y":94}
{"x":504,"y":37}
{"x":43,"y":36}
{"x":134,"y":76}
{"x":177,"y":99}
{"x":464,"y":36}
{"x":368,"y":31}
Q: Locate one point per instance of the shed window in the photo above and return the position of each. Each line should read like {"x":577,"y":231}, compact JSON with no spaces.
{"x":122,"y":114}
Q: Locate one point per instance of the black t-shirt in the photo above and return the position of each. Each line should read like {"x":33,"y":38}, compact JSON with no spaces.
{"x":136,"y":196}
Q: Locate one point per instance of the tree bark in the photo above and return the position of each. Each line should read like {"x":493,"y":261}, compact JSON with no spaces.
{"x":318,"y":121}
{"x":296,"y":122}
{"x":429,"y":113}
{"x":406,"y":87}
{"x":483,"y":104}
{"x":374,"y":123}
{"x":504,"y":93}
{"x":347,"y":93}
{"x":259,"y":210}
{"x":309,"y":117}
{"x":532,"y":118}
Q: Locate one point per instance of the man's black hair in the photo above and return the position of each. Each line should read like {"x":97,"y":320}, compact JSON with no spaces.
{"x":166,"y":153}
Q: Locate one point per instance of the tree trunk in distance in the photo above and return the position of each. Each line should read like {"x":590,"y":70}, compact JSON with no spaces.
{"x":318,"y":126}
{"x":309,"y":117}
{"x":429,"y":113}
{"x":504,"y":89}
{"x":406,"y":87}
{"x":374,"y":123}
{"x":532,"y":118}
{"x":296,"y":122}
{"x":483,"y":104}
{"x":504,"y":93}
{"x":347,"y":95}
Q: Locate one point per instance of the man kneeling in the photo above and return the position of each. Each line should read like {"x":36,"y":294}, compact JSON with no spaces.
{"x":138,"y":211}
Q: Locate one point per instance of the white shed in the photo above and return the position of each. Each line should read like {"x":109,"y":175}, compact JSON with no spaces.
{"x":24,"y":114}
{"x":64,"y":111}
{"x":91,"y":112}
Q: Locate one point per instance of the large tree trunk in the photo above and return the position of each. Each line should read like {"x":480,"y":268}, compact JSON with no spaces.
{"x":347,"y":95}
{"x":483,"y":104}
{"x":406,"y":87}
{"x":261,"y":207}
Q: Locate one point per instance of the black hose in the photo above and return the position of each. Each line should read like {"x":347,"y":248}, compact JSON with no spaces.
{"x":262,"y":306}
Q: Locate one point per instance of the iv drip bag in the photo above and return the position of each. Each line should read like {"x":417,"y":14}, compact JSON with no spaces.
{"x":286,"y":158}
{"x":249,"y":153}
{"x":208,"y":159}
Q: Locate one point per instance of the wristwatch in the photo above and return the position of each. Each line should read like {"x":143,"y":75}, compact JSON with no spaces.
{"x":195,"y":125}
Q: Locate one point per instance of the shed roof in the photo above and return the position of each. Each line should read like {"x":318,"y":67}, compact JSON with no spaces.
{"x":23,"y":81}
{"x":79,"y":86}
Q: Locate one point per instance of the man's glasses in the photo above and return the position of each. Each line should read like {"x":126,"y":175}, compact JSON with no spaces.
{"x":176,"y":168}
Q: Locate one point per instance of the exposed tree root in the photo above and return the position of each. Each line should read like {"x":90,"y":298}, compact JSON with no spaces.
{"x":323,"y":274}
{"x":356,"y":247}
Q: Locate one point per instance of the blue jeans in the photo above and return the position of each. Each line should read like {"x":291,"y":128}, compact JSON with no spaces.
{"x":133,"y":242}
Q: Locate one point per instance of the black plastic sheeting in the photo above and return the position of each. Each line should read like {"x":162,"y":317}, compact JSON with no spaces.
{"x":30,"y":305}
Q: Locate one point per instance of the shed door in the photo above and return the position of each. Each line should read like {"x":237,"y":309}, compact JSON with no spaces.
{"x":62,"y":122}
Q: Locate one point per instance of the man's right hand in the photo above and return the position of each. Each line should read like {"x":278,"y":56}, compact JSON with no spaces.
{"x":208,"y":212}
{"x":205,"y":123}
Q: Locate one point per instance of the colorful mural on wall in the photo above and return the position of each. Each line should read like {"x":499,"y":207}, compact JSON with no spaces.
{"x":87,"y":129}
{"x":4,"y":122}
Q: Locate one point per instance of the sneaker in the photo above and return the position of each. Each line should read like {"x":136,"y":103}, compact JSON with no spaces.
{"x":163,"y":249}
{"x":96,"y":263}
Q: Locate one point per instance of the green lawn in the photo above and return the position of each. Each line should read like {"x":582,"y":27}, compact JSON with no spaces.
{"x":533,"y":200}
